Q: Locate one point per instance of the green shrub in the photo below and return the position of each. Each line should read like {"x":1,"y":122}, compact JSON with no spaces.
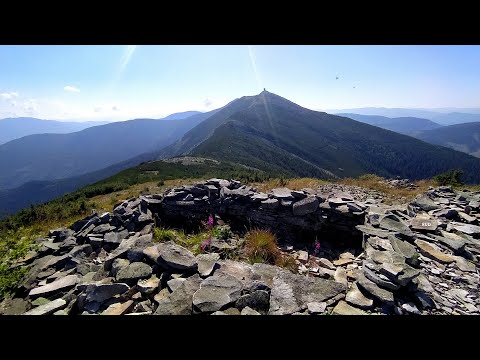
{"x":222,"y":232}
{"x":161,"y":235}
{"x":451,"y":177}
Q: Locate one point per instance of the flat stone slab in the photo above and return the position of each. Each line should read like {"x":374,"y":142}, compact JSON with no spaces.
{"x":393,"y":223}
{"x":99,"y":292}
{"x":179,"y":302}
{"x":206,"y":263}
{"x":467,"y":229}
{"x":305,"y":206}
{"x":216,"y":292}
{"x":343,"y":308}
{"x":148,"y":286}
{"x":172,"y":255}
{"x":133,"y":272}
{"x":270,"y":204}
{"x":316,"y":307}
{"x":422,"y":224}
{"x":282,"y":193}
{"x":425,"y":203}
{"x":291,"y":292}
{"x":433,"y":252}
{"x":48,"y":308}
{"x":119,"y":308}
{"x":245,"y":311}
{"x":356,"y":298}
{"x":374,"y":290}
{"x":64,"y":283}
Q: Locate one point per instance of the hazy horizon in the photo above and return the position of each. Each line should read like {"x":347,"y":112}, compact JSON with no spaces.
{"x":111,"y":83}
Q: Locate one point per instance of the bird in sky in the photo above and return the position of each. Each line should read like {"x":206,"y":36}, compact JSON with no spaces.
{"x":336,"y":77}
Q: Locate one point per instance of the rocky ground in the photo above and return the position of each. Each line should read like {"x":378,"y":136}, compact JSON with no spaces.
{"x":416,"y":258}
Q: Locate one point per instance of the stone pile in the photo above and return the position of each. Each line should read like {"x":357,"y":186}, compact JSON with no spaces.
{"x":400,"y":184}
{"x":416,"y":258}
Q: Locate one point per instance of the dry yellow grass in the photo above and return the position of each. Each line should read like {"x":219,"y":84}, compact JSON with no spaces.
{"x":372,"y":182}
{"x":292,"y":184}
{"x":392,"y":194}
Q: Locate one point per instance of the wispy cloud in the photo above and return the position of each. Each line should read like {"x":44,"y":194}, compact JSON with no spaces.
{"x":126,"y":57}
{"x":9,"y":95}
{"x":71,"y":88}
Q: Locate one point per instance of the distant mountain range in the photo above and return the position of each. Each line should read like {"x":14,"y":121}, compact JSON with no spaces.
{"x":265,"y":132}
{"x":181,"y":115}
{"x":46,"y":157}
{"x":15,"y":128}
{"x":442,"y":116}
{"x":461,"y":137}
{"x":403,"y":125}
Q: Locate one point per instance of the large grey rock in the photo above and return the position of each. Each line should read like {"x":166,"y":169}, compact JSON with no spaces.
{"x":405,"y":249}
{"x":206,"y":263}
{"x":316,"y":307}
{"x":379,"y":279}
{"x":432,"y":251}
{"x":270,"y":204}
{"x":133,"y":272}
{"x":119,"y":264}
{"x":386,"y":256}
{"x":356,"y":298}
{"x":425,"y":203}
{"x":402,"y":277}
{"x":424,"y":224}
{"x":103,"y":228}
{"x":60,"y":234}
{"x":325,"y":263}
{"x":15,"y":306}
{"x":135,"y":253}
{"x":98,"y":292}
{"x":174,"y":284}
{"x":258,"y":300}
{"x":305,"y":206}
{"x":340,"y":276}
{"x":393,"y":223}
{"x":119,"y":308}
{"x":171,"y":255}
{"x":374,"y":290}
{"x":453,"y":241}
{"x":115,"y":237}
{"x":370,"y":230}
{"x":81,"y":250}
{"x":259,"y":197}
{"x":245,"y":311}
{"x":48,"y":308}
{"x":282,"y":194}
{"x":467,"y":229}
{"x":343,"y":308}
{"x":291,"y":292}
{"x":179,"y":302}
{"x":120,"y":251}
{"x":61,"y":284}
{"x":148,"y":286}
{"x":216,"y":292}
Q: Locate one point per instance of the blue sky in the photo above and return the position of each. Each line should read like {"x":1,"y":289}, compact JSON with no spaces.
{"x":124,"y":82}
